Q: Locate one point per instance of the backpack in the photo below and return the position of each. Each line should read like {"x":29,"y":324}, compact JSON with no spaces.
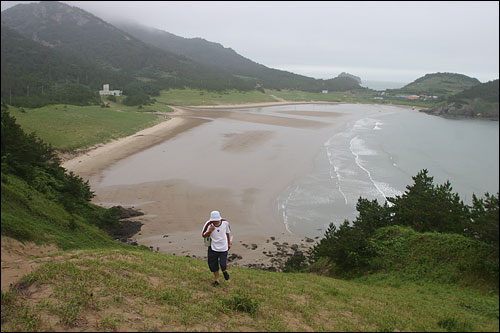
{"x":207,"y":241}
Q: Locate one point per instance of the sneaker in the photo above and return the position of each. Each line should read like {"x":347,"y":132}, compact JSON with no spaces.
{"x":215,"y":283}
{"x":226,"y":275}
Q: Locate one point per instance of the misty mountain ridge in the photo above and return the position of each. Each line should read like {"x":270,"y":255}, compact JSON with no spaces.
{"x":136,"y":58}
{"x":188,"y":62}
{"x":226,"y":59}
{"x":77,"y":33}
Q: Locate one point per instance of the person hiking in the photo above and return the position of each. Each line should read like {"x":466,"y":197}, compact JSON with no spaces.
{"x":220,"y":242}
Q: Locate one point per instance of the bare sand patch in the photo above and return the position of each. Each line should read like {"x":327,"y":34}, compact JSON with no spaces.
{"x":243,"y":142}
{"x":19,"y":259}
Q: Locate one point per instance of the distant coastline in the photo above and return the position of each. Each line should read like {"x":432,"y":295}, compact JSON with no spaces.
{"x":453,"y":111}
{"x":382,"y":85}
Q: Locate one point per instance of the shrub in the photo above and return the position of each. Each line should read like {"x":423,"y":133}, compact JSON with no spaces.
{"x":242,"y":302}
{"x":347,"y":246}
{"x":296,"y":263}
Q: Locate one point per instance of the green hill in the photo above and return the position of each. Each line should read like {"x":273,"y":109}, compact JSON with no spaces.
{"x":437,"y":84}
{"x":80,"y":35}
{"x":34,"y":75}
{"x":77,"y":33}
{"x":65,"y":45}
{"x":479,"y":101}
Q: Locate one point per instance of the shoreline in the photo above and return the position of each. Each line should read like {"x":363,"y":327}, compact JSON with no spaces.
{"x":90,"y":161}
{"x":73,"y":158}
{"x":253,"y":105}
{"x":176,"y":209}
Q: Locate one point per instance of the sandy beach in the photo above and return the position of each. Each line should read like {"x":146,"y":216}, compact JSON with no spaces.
{"x":235,"y":160}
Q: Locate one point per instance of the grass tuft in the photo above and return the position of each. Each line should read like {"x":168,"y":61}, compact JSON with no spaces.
{"x":241,"y":301}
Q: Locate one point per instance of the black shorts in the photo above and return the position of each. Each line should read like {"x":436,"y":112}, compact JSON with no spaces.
{"x":215,"y":259}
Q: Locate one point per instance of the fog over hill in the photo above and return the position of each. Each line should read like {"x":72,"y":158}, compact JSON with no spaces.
{"x":167,"y":59}
{"x":377,"y":41}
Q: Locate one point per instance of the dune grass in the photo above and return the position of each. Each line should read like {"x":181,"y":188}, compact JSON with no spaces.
{"x":132,"y":289}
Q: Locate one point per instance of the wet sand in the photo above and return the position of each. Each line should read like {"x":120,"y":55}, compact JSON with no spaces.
{"x":204,"y":159}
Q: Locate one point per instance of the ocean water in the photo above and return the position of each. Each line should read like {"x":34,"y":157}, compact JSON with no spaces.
{"x":377,"y":157}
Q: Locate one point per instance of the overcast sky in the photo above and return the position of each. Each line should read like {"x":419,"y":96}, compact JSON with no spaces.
{"x":381,"y":41}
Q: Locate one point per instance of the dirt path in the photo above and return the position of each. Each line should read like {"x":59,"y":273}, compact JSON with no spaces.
{"x":279,"y":98}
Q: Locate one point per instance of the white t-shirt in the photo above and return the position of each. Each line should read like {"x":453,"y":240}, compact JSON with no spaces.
{"x":219,"y":237}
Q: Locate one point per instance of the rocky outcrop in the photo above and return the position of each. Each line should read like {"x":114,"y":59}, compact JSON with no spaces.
{"x":124,"y":229}
{"x":456,"y":111}
{"x":354,"y":77}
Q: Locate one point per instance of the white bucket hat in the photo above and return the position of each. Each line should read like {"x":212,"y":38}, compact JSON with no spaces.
{"x":215,"y":216}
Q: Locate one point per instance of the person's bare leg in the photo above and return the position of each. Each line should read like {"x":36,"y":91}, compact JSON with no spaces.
{"x":216,"y":276}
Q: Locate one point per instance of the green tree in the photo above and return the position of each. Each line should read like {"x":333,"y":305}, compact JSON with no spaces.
{"x":348,"y":247}
{"x":484,"y":219}
{"x":21,"y":152}
{"x":372,"y":215}
{"x":426,"y":207}
{"x":137,"y":99}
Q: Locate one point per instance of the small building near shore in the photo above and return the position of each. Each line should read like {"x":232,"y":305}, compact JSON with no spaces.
{"x":105,"y":91}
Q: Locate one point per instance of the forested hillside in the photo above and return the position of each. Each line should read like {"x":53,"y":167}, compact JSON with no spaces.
{"x":221,"y":58}
{"x":79,"y":34}
{"x":438,"y":84}
{"x":67,"y":44}
{"x":34,"y":75}
{"x":486,"y":91}
{"x":479,"y":101}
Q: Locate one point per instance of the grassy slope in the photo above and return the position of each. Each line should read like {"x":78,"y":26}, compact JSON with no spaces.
{"x":27,"y":215}
{"x":98,"y":284}
{"x":438,"y":85}
{"x":69,"y":127}
{"x":434,"y":256}
{"x":200,"y":97}
{"x":142,"y":290}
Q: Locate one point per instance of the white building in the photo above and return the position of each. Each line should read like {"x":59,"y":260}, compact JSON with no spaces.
{"x":325,"y":91}
{"x":105,"y":91}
